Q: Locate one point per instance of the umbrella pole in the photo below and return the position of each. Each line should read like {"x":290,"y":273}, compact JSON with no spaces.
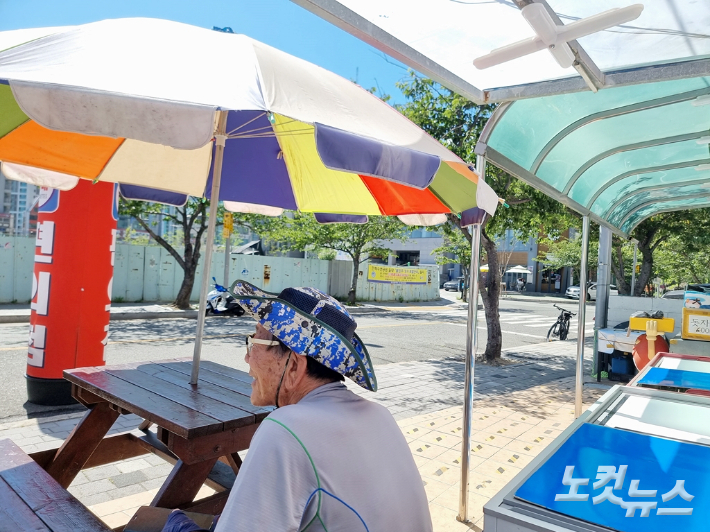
{"x":581,"y":318}
{"x":471,"y":348}
{"x":220,"y":138}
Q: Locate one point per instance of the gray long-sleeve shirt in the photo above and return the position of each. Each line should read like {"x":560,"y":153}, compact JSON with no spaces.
{"x":333,"y":461}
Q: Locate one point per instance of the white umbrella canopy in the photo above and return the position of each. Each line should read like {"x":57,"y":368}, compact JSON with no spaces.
{"x":170,"y":107}
{"x":519,"y":269}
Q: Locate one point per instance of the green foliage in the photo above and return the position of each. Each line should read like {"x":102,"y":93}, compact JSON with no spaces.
{"x":302,"y":231}
{"x":563,"y":252}
{"x":457,"y":123}
{"x":685,"y":233}
{"x":135,"y":238}
{"x":327,"y":254}
{"x":676,"y":265}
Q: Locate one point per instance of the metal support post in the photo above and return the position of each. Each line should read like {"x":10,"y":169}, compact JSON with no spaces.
{"x":471,"y":348}
{"x":633,"y":270}
{"x":227,"y":252}
{"x":601,"y":312}
{"x":579,"y":383}
{"x":220,"y":138}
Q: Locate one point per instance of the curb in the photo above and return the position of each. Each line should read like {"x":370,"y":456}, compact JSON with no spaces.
{"x":116,"y":316}
{"x":365,"y":310}
{"x":192,"y":314}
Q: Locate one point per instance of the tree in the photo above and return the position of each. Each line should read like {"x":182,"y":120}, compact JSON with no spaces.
{"x":676,"y":266}
{"x":563,"y":252}
{"x":455,"y":244}
{"x":192,"y":219}
{"x":688,"y":230}
{"x":457,"y":123}
{"x":303,"y":232}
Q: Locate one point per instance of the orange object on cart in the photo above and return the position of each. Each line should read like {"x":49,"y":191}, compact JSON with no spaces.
{"x":641,"y":351}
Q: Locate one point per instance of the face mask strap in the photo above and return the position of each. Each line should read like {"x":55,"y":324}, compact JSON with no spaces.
{"x":278,"y":389}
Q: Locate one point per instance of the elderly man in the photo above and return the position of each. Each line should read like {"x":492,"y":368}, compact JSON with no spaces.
{"x":325,"y":459}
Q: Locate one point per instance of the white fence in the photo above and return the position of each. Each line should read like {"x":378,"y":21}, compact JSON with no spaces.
{"x":150,"y":273}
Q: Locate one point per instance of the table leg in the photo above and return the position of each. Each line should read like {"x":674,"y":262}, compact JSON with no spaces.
{"x":235,"y":462}
{"x":183,"y":483}
{"x":81,"y":443}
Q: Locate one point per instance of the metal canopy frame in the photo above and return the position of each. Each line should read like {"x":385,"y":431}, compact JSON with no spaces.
{"x":531,"y":179}
{"x":590,"y":76}
{"x":609,"y":216}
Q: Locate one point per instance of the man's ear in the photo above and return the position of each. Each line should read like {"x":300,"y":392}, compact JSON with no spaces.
{"x":297,"y":368}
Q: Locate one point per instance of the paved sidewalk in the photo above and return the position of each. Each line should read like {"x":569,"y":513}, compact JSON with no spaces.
{"x":519,"y":409}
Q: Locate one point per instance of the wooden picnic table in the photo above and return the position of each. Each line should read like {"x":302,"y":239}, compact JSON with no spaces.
{"x":196,"y":425}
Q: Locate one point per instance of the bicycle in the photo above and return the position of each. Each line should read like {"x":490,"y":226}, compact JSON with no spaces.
{"x":561,"y":326}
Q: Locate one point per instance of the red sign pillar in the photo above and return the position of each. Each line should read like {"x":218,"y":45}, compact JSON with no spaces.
{"x":71,"y":286}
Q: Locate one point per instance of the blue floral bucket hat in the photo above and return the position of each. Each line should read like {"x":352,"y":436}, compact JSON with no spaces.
{"x":310,"y":323}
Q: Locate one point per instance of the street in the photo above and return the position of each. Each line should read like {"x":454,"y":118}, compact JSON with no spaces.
{"x":403,"y":333}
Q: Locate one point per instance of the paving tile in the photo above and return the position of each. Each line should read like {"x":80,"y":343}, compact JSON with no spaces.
{"x":132,"y":465}
{"x":153,"y":483}
{"x":91,"y":488}
{"x":153,"y":460}
{"x":483,"y":450}
{"x":493,"y":469}
{"x":508,"y":428}
{"x":442,"y":439}
{"x":507,"y":456}
{"x":79,"y":479}
{"x":115,"y":520}
{"x":131,"y":489}
{"x":123,"y":503}
{"x":126,"y":479}
{"x":539,"y":434}
{"x":159,"y":471}
{"x":427,"y":450}
{"x":444,"y":520}
{"x":101,"y":472}
{"x":96,"y":498}
{"x":440,"y":471}
{"x":524,"y":447}
{"x":490,"y":438}
{"x":434,"y":488}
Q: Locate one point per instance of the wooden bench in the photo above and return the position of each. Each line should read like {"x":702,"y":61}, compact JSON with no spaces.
{"x":31,"y":500}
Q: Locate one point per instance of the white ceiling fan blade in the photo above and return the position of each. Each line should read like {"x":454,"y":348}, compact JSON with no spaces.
{"x":541,"y":22}
{"x":599,"y":22}
{"x":510,"y":52}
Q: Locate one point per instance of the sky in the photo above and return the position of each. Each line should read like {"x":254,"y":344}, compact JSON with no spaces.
{"x":279,"y":23}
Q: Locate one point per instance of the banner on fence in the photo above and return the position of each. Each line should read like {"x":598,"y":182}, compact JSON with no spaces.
{"x":392,"y":274}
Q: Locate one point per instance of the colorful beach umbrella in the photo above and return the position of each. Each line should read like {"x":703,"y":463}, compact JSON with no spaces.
{"x":134,"y":101}
{"x":165,"y":108}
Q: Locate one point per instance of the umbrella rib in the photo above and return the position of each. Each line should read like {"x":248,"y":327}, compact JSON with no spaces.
{"x":246,"y":134}
{"x":245,"y":123}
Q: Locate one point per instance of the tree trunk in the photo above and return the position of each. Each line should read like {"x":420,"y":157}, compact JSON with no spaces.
{"x":466,"y":282}
{"x":353,"y":284}
{"x":192,"y":256}
{"x":490,"y":293}
{"x":646,"y":268}
{"x":182,"y":301}
{"x":617,"y":266}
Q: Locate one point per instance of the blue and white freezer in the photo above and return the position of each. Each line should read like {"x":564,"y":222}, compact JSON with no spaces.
{"x":637,"y":460}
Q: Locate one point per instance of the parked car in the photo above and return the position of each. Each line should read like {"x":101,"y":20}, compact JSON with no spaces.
{"x":454,"y":284}
{"x":674,"y":294}
{"x":573,"y":291}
